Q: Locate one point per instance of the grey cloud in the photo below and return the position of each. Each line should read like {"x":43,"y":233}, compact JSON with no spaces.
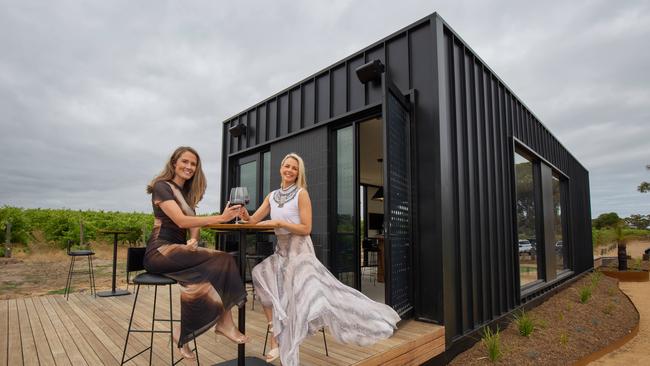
{"x":94,"y":96}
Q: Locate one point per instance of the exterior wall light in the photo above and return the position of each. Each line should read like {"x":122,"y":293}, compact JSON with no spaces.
{"x":237,"y":130}
{"x":370,"y":72}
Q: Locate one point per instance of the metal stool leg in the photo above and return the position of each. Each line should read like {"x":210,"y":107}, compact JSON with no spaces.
{"x":68,"y":279}
{"x":266,"y":338}
{"x":126,"y":342}
{"x":153,"y":322}
{"x":74,"y":259}
{"x":171,"y":325}
{"x":325,"y":341}
{"x":92,"y":271}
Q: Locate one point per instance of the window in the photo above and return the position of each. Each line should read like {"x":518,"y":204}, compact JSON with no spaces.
{"x":266,"y":174}
{"x":526,"y":220}
{"x":560,"y":249}
{"x":254,"y":173}
{"x":344,"y":249}
{"x":248,"y":179}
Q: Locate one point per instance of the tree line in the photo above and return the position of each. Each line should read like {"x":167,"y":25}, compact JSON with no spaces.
{"x":58,"y":226}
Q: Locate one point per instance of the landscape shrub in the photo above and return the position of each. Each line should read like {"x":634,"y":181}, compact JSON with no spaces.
{"x":492,"y":343}
{"x":525,"y":323}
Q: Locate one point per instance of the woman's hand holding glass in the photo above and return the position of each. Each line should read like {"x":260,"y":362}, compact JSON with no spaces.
{"x":243,"y":213}
{"x":230,"y":212}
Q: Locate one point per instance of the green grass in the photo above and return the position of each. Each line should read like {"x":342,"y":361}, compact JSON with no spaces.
{"x":59,"y":292}
{"x":525,"y":324}
{"x":492,"y":343}
{"x":585,"y":294}
{"x":9,"y":285}
{"x":595,"y":278}
{"x":564,"y":339}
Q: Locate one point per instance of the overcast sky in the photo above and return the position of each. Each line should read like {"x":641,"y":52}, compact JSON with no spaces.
{"x":94,"y":95}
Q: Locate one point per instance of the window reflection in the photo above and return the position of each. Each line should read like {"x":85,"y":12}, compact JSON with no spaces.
{"x":526,"y":230}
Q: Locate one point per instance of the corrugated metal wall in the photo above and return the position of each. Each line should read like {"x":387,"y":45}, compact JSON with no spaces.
{"x":479,"y":117}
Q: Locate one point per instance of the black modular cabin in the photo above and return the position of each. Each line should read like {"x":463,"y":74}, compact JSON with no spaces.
{"x":480,"y":207}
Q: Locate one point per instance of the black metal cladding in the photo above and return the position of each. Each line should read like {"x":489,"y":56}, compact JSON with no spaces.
{"x":484,"y":119}
{"x":466,"y":125}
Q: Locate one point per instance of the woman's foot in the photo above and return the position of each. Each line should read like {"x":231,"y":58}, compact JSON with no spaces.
{"x":185,"y":351}
{"x":273,"y":354}
{"x":231,"y":333}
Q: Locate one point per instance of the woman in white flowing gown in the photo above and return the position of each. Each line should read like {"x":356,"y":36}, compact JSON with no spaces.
{"x":299,"y":295}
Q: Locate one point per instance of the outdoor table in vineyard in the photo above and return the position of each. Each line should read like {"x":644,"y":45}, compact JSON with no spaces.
{"x":243,"y":229}
{"x":113,"y":291}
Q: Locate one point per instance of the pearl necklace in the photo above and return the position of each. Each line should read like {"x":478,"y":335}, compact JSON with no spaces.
{"x":284,"y":195}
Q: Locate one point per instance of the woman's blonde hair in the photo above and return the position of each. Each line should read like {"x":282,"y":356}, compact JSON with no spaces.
{"x":194,"y":188}
{"x":301,"y":180}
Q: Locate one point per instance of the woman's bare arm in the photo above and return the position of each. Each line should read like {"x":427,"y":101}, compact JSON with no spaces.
{"x":174,"y":212}
{"x":261,"y":213}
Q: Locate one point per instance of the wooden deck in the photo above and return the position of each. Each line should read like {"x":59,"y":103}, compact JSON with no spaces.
{"x":48,"y":330}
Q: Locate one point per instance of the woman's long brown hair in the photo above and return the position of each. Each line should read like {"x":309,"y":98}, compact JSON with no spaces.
{"x":194,"y":188}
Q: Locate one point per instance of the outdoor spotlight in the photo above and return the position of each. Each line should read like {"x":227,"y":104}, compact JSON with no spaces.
{"x":237,"y":130}
{"x":370,"y":71}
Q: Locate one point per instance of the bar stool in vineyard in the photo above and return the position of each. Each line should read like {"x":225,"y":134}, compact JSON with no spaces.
{"x":74,"y":254}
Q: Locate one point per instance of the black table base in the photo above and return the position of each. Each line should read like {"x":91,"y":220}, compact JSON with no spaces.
{"x":113,"y":293}
{"x":249,"y":361}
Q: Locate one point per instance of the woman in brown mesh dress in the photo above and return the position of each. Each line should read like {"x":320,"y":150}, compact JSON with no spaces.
{"x":209,"y":279}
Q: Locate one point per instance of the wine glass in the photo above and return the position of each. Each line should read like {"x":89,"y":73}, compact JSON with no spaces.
{"x":237,"y":198}
{"x":247,"y":198}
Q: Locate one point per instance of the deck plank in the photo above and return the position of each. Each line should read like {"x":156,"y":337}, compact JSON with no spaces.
{"x":4,"y":331}
{"x":65,"y":333}
{"x":30,"y":355}
{"x":14,"y":344}
{"x":45,"y":356}
{"x":86,"y":334}
{"x":51,"y":336}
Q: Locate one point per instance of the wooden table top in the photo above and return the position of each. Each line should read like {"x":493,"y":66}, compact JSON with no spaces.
{"x":238,"y":227}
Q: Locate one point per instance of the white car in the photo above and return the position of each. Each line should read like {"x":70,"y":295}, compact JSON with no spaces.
{"x":525,"y":247}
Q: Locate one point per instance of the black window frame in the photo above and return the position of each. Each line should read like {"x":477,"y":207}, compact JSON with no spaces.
{"x":238,"y":161}
{"x":519,"y":147}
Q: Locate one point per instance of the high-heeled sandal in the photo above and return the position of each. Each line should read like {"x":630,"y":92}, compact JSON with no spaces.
{"x":273,"y":353}
{"x":242,"y":340}
{"x":184,"y":350}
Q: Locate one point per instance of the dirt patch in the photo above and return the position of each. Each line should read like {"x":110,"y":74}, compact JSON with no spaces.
{"x":41,"y":270}
{"x":634,"y":248}
{"x":566,"y":329}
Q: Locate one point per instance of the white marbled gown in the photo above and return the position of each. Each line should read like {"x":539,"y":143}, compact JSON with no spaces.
{"x":305,"y":296}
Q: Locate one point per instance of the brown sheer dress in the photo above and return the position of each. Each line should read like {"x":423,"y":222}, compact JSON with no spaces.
{"x":209,"y":280}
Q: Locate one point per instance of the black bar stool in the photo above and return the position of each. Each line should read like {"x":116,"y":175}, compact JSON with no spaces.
{"x":74,"y":254}
{"x":151,"y":279}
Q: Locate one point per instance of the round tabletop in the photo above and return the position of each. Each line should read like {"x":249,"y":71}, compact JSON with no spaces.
{"x":239,"y":227}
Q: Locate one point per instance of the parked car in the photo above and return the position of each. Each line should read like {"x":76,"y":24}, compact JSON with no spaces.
{"x":525,"y":247}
